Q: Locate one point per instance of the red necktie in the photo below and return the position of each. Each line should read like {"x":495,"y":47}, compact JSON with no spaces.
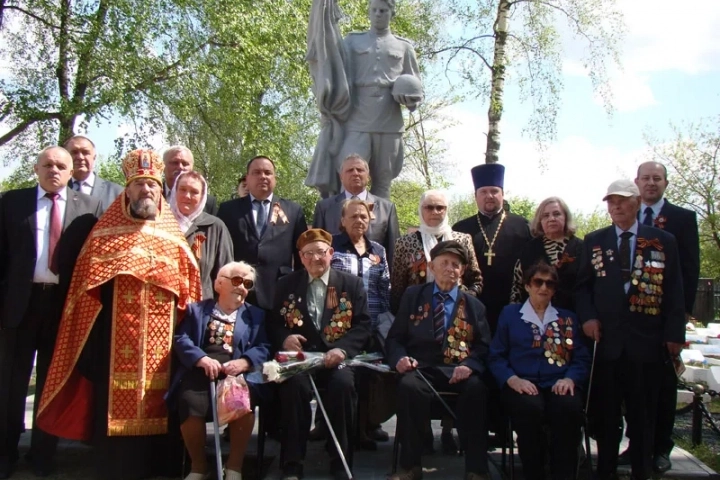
{"x":55,"y":231}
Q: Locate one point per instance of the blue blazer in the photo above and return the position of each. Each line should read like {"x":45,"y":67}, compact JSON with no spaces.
{"x":249,"y":339}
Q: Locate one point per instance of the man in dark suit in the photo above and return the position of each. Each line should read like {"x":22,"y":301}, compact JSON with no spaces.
{"x":84,"y":179}
{"x":264,"y":230}
{"x":318,"y":310}
{"x":443,"y":333}
{"x":355,"y":175}
{"x":656,"y":211}
{"x":42,"y":230}
{"x":630,"y":300}
{"x":179,"y":159}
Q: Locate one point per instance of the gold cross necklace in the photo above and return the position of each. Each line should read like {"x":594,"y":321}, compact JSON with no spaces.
{"x":490,"y":254}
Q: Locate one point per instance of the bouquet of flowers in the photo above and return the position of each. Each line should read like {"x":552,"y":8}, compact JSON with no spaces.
{"x":289,"y":364}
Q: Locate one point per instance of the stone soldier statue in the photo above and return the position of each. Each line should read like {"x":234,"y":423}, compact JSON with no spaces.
{"x":360,"y":103}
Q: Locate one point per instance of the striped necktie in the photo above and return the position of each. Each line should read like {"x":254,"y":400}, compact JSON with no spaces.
{"x":439,"y":316}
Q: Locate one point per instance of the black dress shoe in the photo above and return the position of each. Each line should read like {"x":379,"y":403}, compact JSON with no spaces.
{"x":379,"y":435}
{"x":661,"y":463}
{"x":624,"y":458}
{"x":449,"y":447}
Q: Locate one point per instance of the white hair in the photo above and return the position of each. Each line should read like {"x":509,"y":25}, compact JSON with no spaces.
{"x":176,"y":149}
{"x":232,"y":267}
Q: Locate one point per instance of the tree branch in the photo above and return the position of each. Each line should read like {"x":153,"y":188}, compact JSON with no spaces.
{"x":47,"y":23}
{"x":457,"y":48}
{"x":25,"y":124}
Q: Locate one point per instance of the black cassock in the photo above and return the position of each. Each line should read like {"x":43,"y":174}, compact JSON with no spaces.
{"x":498,"y":276}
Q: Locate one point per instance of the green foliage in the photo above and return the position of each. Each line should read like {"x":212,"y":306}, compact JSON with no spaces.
{"x":586,"y":223}
{"x":461,"y":207}
{"x":692,"y":158}
{"x":522,"y":206}
{"x":110,"y":170}
{"x":406,"y":196}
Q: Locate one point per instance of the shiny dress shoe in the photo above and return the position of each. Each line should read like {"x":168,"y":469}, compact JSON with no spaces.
{"x":624,"y":458}
{"x":661,"y":463}
{"x":415,"y":473}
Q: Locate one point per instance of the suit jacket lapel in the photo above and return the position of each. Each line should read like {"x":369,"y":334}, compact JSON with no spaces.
{"x":70,"y":207}
{"x":269,"y":228}
{"x":613,"y":267}
{"x":246,"y":213}
{"x":30,"y":212}
{"x":243,"y":327}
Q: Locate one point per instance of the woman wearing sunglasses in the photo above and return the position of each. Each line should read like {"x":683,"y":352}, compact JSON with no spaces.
{"x":554,"y":243}
{"x":218,"y":338}
{"x":412,"y":251}
{"x":207,"y":235}
{"x":541,"y":364}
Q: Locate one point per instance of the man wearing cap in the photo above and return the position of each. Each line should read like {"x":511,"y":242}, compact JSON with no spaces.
{"x":110,"y":370}
{"x":658,"y":212}
{"x":42,"y":229}
{"x":629,"y":299}
{"x":318,"y":309}
{"x":441,"y":333}
{"x":498,"y":238}
{"x":84,"y":179}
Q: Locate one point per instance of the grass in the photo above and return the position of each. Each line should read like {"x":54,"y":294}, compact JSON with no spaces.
{"x":703,"y":452}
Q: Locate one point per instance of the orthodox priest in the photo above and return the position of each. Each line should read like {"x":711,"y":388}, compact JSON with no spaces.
{"x":498,"y":238}
{"x":110,"y":370}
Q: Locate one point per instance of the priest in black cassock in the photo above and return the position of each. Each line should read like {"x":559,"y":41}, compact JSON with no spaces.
{"x":498,"y":238}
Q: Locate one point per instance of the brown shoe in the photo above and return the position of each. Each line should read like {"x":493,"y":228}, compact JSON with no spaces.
{"x":477,"y":476}
{"x":415,"y":473}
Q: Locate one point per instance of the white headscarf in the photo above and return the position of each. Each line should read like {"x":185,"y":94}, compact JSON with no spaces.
{"x":429,"y":234}
{"x":186,"y":222}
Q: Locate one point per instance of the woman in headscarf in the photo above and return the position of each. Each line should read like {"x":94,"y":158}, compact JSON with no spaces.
{"x":207,"y":235}
{"x":410,"y":260}
{"x":412,"y":251}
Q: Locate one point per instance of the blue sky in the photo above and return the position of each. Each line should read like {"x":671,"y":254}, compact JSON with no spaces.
{"x":668,"y":74}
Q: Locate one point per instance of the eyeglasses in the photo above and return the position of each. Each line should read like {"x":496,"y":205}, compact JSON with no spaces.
{"x":238,"y":280}
{"x":310,"y":254}
{"x":539,"y":282}
{"x":437,"y":208}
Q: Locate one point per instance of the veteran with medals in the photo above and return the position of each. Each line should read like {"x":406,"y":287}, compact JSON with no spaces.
{"x":630,"y":300}
{"x":441,"y":332}
{"x":110,"y":370}
{"x":542,"y":369}
{"x":498,"y":237}
{"x":318,"y":309}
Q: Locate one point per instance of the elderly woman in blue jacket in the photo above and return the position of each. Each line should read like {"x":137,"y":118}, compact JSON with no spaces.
{"x":217,"y":338}
{"x":542,"y":366}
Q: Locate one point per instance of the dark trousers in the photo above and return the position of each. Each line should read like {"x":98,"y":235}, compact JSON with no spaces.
{"x":340,"y":400}
{"x":561,"y":415}
{"x":667,"y":404}
{"x":637,"y":384}
{"x":36,"y":333}
{"x":414,"y":399}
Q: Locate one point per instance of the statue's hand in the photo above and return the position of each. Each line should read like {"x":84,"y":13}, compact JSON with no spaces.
{"x":410,"y":101}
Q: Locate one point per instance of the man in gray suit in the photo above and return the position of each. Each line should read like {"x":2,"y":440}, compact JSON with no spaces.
{"x":84,"y":179}
{"x":177,"y":160}
{"x":355,"y":175}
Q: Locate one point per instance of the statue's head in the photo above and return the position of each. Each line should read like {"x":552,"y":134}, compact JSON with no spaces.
{"x":380,"y":13}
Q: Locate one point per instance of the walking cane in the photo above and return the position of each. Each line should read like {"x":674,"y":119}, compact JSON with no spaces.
{"x":447,"y":407}
{"x":587,"y":406}
{"x":216,"y":428}
{"x":330,"y":428}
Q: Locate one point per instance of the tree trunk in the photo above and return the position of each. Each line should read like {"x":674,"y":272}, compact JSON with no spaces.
{"x":498,"y":82}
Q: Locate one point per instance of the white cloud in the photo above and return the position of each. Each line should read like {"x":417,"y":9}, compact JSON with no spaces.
{"x":575,"y":169}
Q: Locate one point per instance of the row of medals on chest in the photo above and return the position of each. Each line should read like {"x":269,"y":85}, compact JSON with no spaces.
{"x":648,"y":278}
{"x":555,"y":341}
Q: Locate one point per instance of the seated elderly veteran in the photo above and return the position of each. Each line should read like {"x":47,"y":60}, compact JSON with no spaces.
{"x":217,"y":338}
{"x":442,"y":332}
{"x":318,"y":309}
{"x":542,"y":365}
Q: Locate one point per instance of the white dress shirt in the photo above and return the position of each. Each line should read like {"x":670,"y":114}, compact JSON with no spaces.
{"x":42,"y":234}
{"x":86,"y":186}
{"x":266,"y":207}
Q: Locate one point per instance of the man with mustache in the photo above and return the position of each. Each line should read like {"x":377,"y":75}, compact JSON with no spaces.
{"x":131,"y":285}
{"x":42,"y":230}
{"x":178,"y":159}
{"x":84,"y":179}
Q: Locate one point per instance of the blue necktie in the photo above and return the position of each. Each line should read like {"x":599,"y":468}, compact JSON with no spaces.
{"x":261,"y":220}
{"x":648,"y":220}
{"x":439,"y":316}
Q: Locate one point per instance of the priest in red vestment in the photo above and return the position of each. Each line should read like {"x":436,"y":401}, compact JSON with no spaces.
{"x":110,"y":370}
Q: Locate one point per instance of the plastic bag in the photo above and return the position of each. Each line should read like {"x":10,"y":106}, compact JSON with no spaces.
{"x":233,"y":399}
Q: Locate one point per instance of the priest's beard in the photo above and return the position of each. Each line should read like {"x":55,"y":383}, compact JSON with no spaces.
{"x":144,"y":208}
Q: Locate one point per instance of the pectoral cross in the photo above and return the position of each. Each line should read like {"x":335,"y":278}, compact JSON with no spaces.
{"x":489,"y":254}
{"x":159,"y":351}
{"x":127,"y":352}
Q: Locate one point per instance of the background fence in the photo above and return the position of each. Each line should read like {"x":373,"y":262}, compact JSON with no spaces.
{"x":707,"y":301}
